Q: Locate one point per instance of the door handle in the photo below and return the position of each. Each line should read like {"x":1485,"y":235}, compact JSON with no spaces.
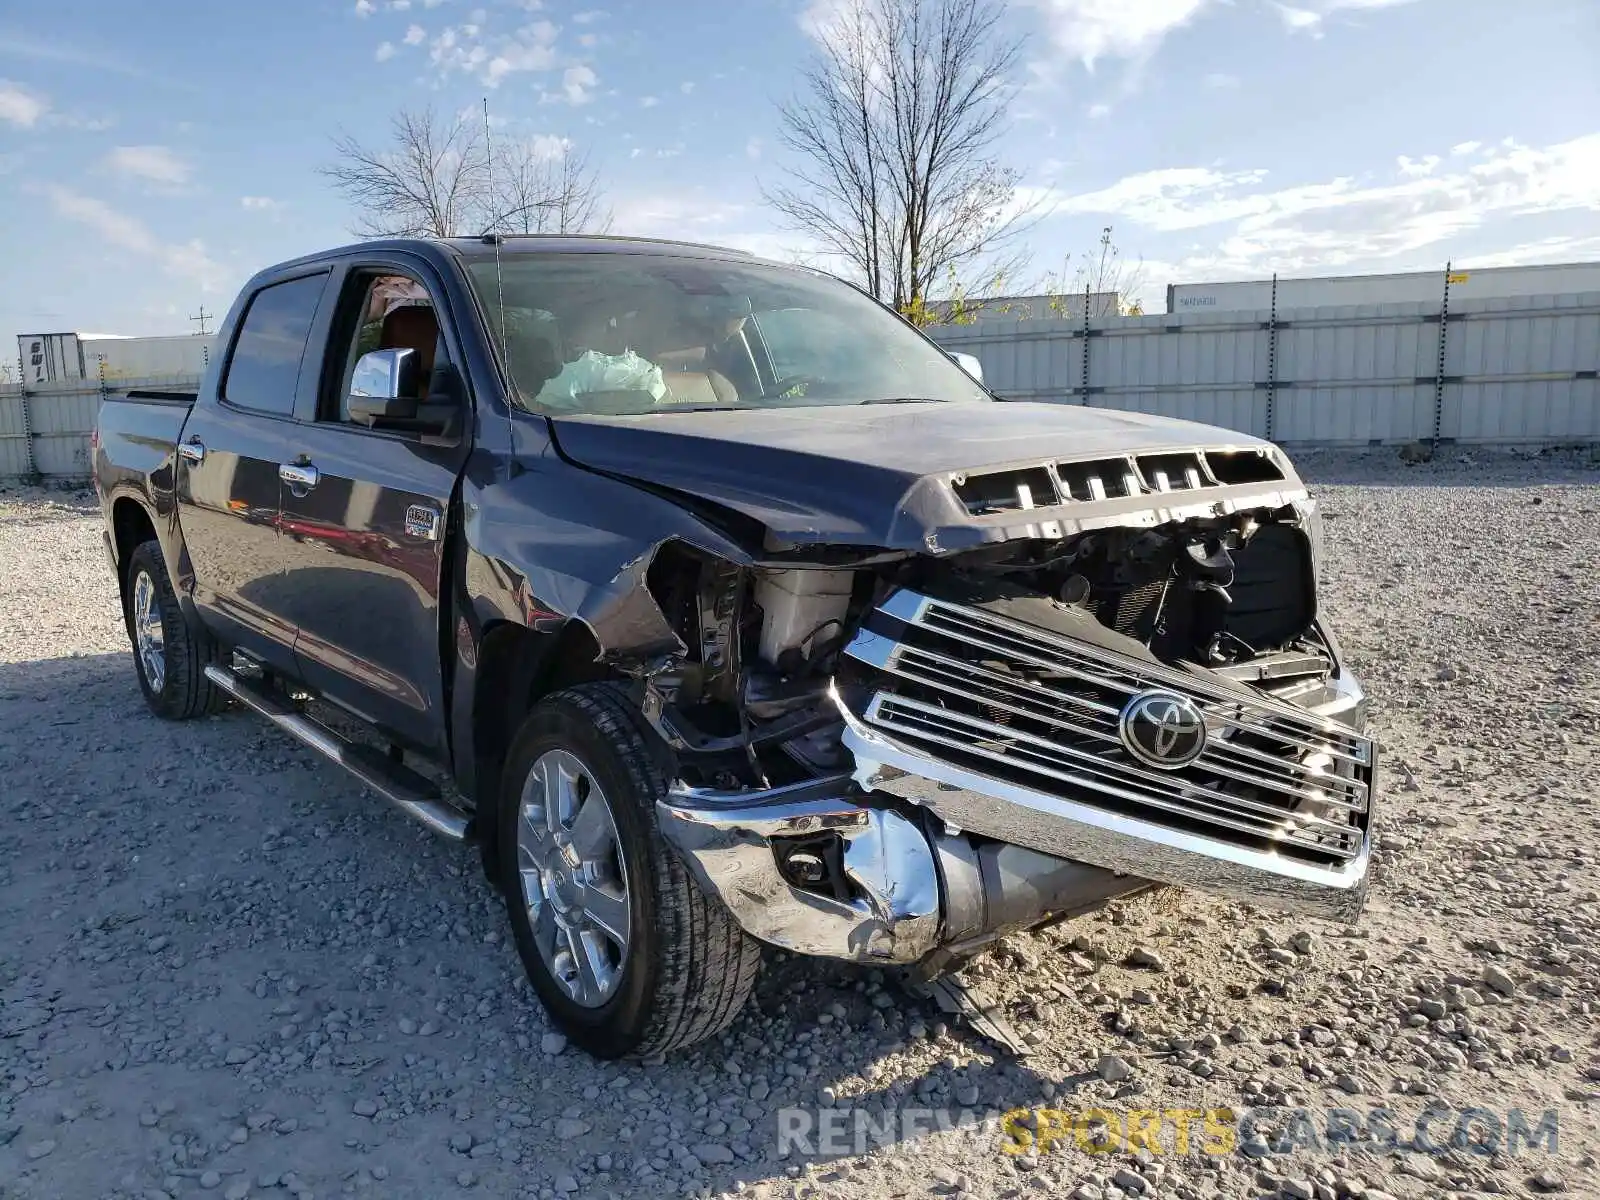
{"x":302,"y":475}
{"x":194,"y":450}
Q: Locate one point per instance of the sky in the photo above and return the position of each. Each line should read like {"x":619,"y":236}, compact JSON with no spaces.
{"x":155,"y":154}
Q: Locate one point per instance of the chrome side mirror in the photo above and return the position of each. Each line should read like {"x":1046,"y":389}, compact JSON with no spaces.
{"x":385,"y":374}
{"x":969,"y":364}
{"x":384,"y":386}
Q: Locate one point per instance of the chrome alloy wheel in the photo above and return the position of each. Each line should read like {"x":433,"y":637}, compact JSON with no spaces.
{"x":574,"y":881}
{"x":149,"y":634}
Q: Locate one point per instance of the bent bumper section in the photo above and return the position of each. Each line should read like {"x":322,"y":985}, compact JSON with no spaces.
{"x":989,"y":794}
{"x":910,"y":889}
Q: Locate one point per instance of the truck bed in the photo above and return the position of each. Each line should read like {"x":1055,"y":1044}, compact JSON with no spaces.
{"x":136,"y":436}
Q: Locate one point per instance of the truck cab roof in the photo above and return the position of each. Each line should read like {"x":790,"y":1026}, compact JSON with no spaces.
{"x":484,"y":246}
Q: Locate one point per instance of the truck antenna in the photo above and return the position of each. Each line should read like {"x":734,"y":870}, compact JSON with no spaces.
{"x":492,"y":235}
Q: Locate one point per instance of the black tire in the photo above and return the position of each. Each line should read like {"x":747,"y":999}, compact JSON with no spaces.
{"x":689,"y":968}
{"x":184,"y":691}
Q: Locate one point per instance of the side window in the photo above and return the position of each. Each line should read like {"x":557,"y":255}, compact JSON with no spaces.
{"x":265,"y":368}
{"x":389,"y":312}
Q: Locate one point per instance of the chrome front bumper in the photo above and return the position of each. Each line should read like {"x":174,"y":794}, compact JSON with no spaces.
{"x":936,"y":852}
{"x":912,"y":890}
{"x":1068,"y":829}
{"x":730,"y":841}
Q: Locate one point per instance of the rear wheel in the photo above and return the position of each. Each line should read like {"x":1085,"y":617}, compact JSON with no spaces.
{"x":628,"y":955}
{"x":169,"y":655}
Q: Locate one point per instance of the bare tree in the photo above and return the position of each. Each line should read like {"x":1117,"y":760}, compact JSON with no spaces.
{"x":894,"y":127}
{"x":547,"y":186}
{"x":1110,"y":282}
{"x":436,"y":178}
{"x":431,"y":181}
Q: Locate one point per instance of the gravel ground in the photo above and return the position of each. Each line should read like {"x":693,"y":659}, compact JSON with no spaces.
{"x":226,"y":970}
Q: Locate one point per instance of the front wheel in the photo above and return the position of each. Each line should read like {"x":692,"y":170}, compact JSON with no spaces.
{"x":628,"y":955}
{"x":169,"y":654}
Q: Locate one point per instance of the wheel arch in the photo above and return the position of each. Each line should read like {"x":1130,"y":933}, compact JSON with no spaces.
{"x":516,"y":668}
{"x":132,"y":525}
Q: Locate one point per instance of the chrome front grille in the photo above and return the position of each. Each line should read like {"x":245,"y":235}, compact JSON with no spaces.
{"x":1041,"y":710}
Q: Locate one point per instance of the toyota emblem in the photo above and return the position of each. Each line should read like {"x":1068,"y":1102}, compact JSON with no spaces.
{"x":1162,"y":729}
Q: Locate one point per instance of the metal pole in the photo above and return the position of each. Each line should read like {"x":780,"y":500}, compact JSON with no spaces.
{"x":1083,"y":383}
{"x":28,"y":468}
{"x":1272,"y":357}
{"x":1438,"y":375}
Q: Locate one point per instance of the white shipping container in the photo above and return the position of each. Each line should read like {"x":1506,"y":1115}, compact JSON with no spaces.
{"x":49,"y":357}
{"x":185,"y":355}
{"x":1414,"y":287}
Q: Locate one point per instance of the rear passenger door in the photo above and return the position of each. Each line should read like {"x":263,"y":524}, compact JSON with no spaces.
{"x":364,"y":527}
{"x":229,"y":461}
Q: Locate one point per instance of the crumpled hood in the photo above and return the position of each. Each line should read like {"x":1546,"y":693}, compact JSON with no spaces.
{"x":881,"y":475}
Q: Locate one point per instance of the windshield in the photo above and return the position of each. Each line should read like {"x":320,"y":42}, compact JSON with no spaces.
{"x":645,"y":333}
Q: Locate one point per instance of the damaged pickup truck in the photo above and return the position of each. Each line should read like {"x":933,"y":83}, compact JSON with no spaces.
{"x":720,"y":607}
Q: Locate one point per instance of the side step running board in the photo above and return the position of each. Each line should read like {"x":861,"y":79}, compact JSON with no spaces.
{"x":410,"y":792}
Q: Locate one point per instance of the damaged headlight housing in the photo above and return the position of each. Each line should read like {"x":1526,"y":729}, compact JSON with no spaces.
{"x":1310,"y":517}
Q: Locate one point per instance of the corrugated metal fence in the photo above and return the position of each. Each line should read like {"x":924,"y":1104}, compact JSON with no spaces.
{"x":1509,"y":371}
{"x":1514,"y":371}
{"x":44,"y":429}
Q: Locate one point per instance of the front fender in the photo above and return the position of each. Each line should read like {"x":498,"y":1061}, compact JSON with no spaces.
{"x":555,"y":544}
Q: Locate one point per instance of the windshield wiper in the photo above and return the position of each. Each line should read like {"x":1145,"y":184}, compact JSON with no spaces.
{"x":906,"y":400}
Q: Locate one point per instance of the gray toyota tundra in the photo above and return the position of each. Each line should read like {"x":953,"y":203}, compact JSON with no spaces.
{"x":721,"y":607}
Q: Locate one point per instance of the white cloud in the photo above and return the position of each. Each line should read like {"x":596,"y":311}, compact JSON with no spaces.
{"x":1221,"y":80}
{"x":158,"y":164}
{"x":465,"y":48}
{"x":1348,"y":219}
{"x":705,"y":215}
{"x":365,"y":8}
{"x":1545,"y":250}
{"x":588,"y":16}
{"x":578,"y":84}
{"x":686,"y":87}
{"x":1309,"y":19}
{"x":73,"y":121}
{"x":819,"y":17}
{"x":259,"y":203}
{"x":399,"y":5}
{"x":549,"y":145}
{"x":19,"y":106}
{"x":384,"y":52}
{"x":1099,"y":111}
{"x":649,"y":102}
{"x":415,"y":35}
{"x":1089,"y":30}
{"x":657,"y":213}
{"x":752,"y":149}
{"x":1299,"y":18}
{"x":184,"y":260}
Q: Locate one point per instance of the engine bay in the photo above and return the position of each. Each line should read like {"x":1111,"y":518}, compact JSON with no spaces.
{"x":747,"y":705}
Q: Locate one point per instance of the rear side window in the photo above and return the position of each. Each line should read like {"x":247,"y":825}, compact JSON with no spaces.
{"x":265,"y":368}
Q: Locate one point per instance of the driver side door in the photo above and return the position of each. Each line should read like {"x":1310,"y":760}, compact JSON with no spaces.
{"x":364,"y":523}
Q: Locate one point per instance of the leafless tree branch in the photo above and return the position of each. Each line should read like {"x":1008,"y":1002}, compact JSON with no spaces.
{"x":893,"y":130}
{"x":537,"y":191}
{"x":435,"y":178}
